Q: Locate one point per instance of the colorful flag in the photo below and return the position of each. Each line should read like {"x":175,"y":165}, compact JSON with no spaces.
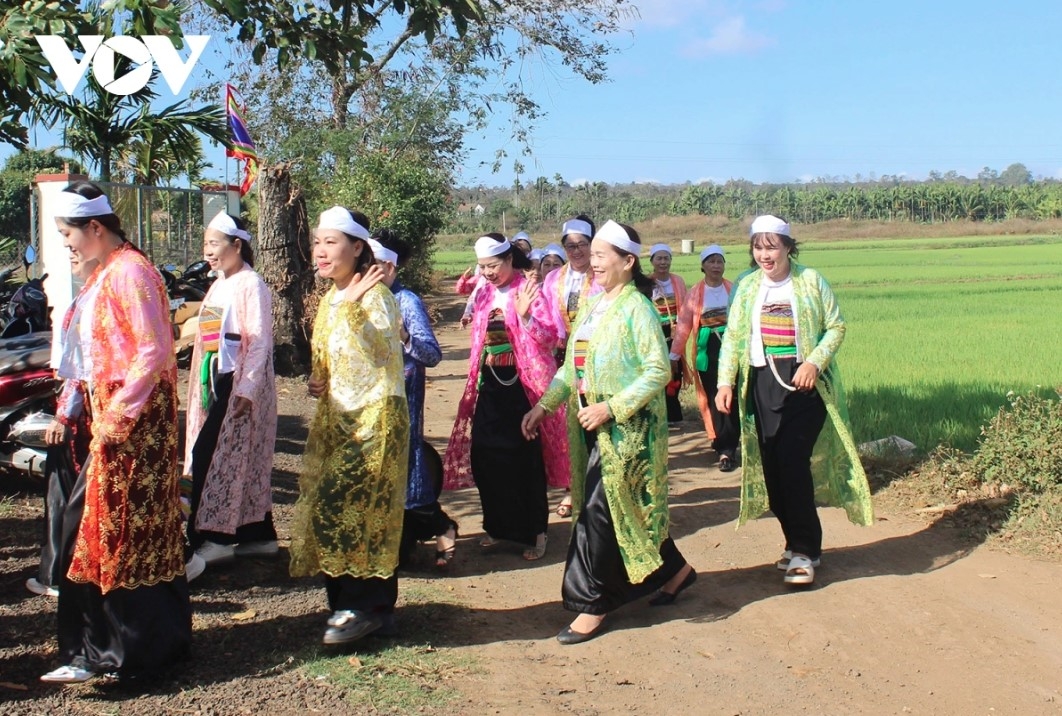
{"x":242,"y":146}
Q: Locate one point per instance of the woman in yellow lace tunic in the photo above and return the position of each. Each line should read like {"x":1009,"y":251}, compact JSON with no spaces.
{"x":783,"y":333}
{"x":348,"y":518}
{"x":123,"y":601}
{"x":613,"y":378}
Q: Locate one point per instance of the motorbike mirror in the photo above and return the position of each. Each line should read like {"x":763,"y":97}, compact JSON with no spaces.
{"x":30,"y":256}
{"x":170,"y":267}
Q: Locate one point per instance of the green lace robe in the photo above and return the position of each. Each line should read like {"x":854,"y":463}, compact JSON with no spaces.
{"x":627,"y":365}
{"x":835,"y":466}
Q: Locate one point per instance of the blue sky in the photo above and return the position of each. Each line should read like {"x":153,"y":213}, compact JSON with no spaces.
{"x":784,"y":90}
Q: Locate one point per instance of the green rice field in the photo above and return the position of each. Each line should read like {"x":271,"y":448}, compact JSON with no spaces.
{"x":939,"y":330}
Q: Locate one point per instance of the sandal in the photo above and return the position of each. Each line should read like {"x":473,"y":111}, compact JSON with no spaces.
{"x":486,"y":542}
{"x":564,"y":509}
{"x":533,"y":554}
{"x":443,"y":557}
{"x":801,"y":570}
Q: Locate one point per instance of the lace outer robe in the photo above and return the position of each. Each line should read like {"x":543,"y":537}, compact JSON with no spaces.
{"x":553,"y":287}
{"x":838,"y":474}
{"x":348,"y":518}
{"x":684,"y":343}
{"x":131,"y":533}
{"x":237,"y":487}
{"x":533,"y":345}
{"x":422,"y":352}
{"x":627,"y":365}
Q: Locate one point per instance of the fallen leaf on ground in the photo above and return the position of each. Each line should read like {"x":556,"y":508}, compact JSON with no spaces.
{"x":244,"y":616}
{"x":10,"y":685}
{"x":355,"y":662}
{"x":987,"y":576}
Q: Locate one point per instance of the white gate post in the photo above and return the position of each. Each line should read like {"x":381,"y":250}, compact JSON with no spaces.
{"x":52,"y":255}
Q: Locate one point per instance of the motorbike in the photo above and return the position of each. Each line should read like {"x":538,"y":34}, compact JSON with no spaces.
{"x":28,"y":386}
{"x":186,"y":291}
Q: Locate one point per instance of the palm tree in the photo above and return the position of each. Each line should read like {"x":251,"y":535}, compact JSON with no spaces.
{"x":102,"y":126}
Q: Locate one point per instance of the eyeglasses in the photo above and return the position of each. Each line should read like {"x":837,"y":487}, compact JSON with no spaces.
{"x":580,"y":246}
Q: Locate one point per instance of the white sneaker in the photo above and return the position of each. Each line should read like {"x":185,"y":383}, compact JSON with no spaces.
{"x":34,"y":585}
{"x":68,"y":675}
{"x":265,"y":548}
{"x":194,"y":566}
{"x":213,"y":553}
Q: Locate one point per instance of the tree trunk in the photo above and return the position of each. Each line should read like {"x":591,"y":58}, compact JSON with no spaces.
{"x":282,"y":258}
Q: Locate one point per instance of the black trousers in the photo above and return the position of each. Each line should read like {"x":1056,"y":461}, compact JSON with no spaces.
{"x":59,"y":468}
{"x":727,"y":436}
{"x":363,"y":594}
{"x":202,"y":455}
{"x":787,"y":426}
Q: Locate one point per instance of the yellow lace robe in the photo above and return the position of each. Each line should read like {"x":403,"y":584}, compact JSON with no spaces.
{"x":348,"y":518}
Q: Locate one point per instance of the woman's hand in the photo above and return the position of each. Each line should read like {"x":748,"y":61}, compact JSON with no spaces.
{"x":56,"y":434}
{"x":529,"y":425}
{"x":468,"y":273}
{"x":594,"y":416}
{"x":316,"y":387}
{"x":241,"y":407}
{"x":724,"y":398}
{"x":360,"y":285}
{"x":805,"y":377}
{"x":525,"y":296}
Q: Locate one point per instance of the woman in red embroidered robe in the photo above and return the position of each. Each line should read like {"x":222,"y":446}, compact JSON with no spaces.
{"x":123,"y":602}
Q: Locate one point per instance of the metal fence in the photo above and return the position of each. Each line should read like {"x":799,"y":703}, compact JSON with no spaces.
{"x":166,"y":223}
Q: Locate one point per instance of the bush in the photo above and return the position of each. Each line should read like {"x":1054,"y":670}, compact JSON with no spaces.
{"x":1022,"y":445}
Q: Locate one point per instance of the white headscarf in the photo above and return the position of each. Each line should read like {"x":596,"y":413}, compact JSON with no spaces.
{"x":74,"y":206}
{"x":616,"y":235}
{"x":768,"y":224}
{"x":339,"y":219}
{"x":224,"y":223}
{"x":486,"y":247}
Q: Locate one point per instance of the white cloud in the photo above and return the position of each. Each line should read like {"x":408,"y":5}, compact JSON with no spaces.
{"x":728,"y":37}
{"x":578,"y":182}
{"x":672,"y":13}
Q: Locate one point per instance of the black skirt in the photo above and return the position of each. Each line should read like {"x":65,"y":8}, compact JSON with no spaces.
{"x":508,"y":469}
{"x":134,"y":633}
{"x":595,"y":579}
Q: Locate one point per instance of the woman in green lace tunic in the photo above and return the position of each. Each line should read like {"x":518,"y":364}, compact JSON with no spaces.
{"x":613,"y":377}
{"x":783,"y":332}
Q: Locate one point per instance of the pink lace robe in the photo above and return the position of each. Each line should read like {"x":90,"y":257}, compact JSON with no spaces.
{"x":237,"y":487}
{"x":533,"y":345}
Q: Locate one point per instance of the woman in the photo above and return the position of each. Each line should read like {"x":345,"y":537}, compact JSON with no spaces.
{"x":782,"y":335}
{"x":535,"y":271}
{"x":613,"y":379}
{"x":424,"y":516}
{"x":231,"y":422}
{"x":123,"y":600}
{"x":348,"y":518}
{"x":67,"y":436}
{"x":669,"y":293}
{"x":510,"y":365}
{"x":552,"y":259}
{"x":566,"y":289}
{"x":703,"y":315}
{"x":522,"y":241}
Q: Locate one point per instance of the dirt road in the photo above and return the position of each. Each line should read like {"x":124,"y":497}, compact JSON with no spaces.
{"x":905,"y":617}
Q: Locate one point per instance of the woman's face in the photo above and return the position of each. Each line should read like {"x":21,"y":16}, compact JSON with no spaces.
{"x":221,"y":252}
{"x":85,"y":243}
{"x":771,"y":255}
{"x":498,"y":271}
{"x":335,"y":255}
{"x":713,"y":268}
{"x":577,"y":247}
{"x":610,"y":269}
{"x":82,"y":269}
{"x":661,"y":261}
{"x":535,"y":271}
{"x":550,"y":263}
{"x":523,"y":245}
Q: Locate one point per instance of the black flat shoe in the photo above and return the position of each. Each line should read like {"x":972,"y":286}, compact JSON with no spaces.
{"x":726,"y":464}
{"x":569,"y":636}
{"x":662,"y":599}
